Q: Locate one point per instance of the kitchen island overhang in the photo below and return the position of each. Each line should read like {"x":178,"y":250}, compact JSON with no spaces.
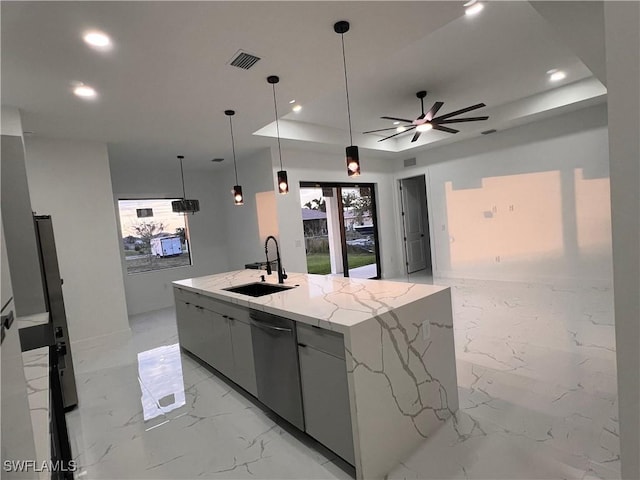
{"x":399,"y":352}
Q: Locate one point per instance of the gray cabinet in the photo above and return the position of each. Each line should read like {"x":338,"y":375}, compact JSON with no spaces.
{"x":219,"y":334}
{"x":196,"y":331}
{"x":244,"y":372}
{"x":220,"y":350}
{"x":187,"y":330}
{"x":325,"y":390}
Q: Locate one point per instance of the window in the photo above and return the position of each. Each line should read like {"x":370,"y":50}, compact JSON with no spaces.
{"x":340,"y":229}
{"x":153,"y":235}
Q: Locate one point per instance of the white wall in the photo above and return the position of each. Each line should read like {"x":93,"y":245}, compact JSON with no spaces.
{"x":70,"y":181}
{"x":305,"y":166}
{"x":530,"y":203}
{"x":622,"y":33}
{"x":244,"y":223}
{"x":207,"y":229}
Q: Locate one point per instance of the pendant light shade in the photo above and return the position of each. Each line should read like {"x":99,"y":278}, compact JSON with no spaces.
{"x":353,"y":157}
{"x":283,"y":182}
{"x":184,"y":205}
{"x":353,"y":161}
{"x":238,"y":198}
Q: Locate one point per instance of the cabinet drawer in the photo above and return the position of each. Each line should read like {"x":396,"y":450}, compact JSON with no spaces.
{"x":223,"y":308}
{"x":321,"y":339}
{"x":187,"y":296}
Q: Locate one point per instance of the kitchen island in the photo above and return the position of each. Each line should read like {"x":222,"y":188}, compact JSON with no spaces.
{"x":376,"y":358}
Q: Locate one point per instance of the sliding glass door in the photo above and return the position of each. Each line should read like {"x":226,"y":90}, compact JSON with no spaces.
{"x":340,"y":229}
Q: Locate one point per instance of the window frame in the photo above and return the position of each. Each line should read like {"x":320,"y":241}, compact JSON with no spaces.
{"x":149,"y":197}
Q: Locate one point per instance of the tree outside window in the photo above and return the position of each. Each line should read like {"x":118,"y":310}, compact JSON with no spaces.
{"x":154,"y":237}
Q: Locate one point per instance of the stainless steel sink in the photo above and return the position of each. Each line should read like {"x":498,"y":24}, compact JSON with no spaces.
{"x":258,"y":289}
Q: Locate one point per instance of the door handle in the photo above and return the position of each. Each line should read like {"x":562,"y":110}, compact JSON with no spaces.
{"x":270,"y":327}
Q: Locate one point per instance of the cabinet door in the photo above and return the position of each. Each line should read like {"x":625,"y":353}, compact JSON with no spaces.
{"x":325,"y":393}
{"x":244,"y":369}
{"x":219,"y":349}
{"x":203,"y":334}
{"x":186,"y":321}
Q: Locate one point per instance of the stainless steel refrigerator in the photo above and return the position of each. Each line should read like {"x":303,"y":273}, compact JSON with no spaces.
{"x":54,"y":301}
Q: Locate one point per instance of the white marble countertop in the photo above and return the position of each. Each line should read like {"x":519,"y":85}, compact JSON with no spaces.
{"x":336,"y":303}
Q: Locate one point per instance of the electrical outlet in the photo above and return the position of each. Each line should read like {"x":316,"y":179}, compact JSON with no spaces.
{"x":498,"y":259}
{"x":494,"y":209}
{"x":426,"y":329}
{"x":298,"y":244}
{"x":511,"y":208}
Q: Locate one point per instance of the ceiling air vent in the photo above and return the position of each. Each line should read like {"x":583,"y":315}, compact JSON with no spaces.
{"x":489,"y":132}
{"x":243,"y":60}
{"x":409,"y":162}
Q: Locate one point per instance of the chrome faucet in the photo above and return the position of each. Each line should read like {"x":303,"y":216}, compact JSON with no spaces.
{"x":282,"y":275}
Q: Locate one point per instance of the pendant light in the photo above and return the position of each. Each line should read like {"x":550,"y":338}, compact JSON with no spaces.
{"x":283,"y":182}
{"x":353,"y":157}
{"x":238,"y":199}
{"x":184,"y":205}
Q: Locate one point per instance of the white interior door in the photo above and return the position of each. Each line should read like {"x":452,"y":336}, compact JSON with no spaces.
{"x":413,"y":199}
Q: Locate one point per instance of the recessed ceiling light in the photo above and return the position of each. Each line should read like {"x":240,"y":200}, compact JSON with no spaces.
{"x":425,"y":127}
{"x":401,"y":129}
{"x":296,"y":108}
{"x":292,"y":101}
{"x":556,"y":75}
{"x":473,"y":8}
{"x":85,"y":91}
{"x":97,"y":39}
{"x":396,"y":123}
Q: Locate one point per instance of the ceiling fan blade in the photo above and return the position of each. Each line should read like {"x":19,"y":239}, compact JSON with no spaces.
{"x":383,"y":129}
{"x":416,"y":136}
{"x":444,"y":129}
{"x":458,"y":112}
{"x":469,"y":119}
{"x":398,"y":119}
{"x":421,"y":116}
{"x":432,"y":112}
{"x":395,"y":134}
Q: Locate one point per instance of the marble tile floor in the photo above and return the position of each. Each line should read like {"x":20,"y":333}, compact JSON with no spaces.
{"x":536,"y":375}
{"x":36,"y":370}
{"x":146,"y":410}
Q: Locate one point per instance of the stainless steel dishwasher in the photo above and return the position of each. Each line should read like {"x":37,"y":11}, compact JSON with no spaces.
{"x":275,"y":353}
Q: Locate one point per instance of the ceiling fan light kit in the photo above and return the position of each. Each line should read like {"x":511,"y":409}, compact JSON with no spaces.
{"x":236,"y":191}
{"x":428,"y":120}
{"x":352,"y":154}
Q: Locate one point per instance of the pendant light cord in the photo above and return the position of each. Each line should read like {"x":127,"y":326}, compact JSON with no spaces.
{"x":233,"y":148}
{"x":184,"y":195}
{"x":275,"y":107}
{"x":346,"y":87}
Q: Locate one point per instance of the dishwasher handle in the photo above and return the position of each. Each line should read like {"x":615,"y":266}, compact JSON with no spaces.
{"x":266,"y":326}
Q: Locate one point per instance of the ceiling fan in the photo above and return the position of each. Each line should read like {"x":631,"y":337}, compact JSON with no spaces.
{"x":427,"y":121}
